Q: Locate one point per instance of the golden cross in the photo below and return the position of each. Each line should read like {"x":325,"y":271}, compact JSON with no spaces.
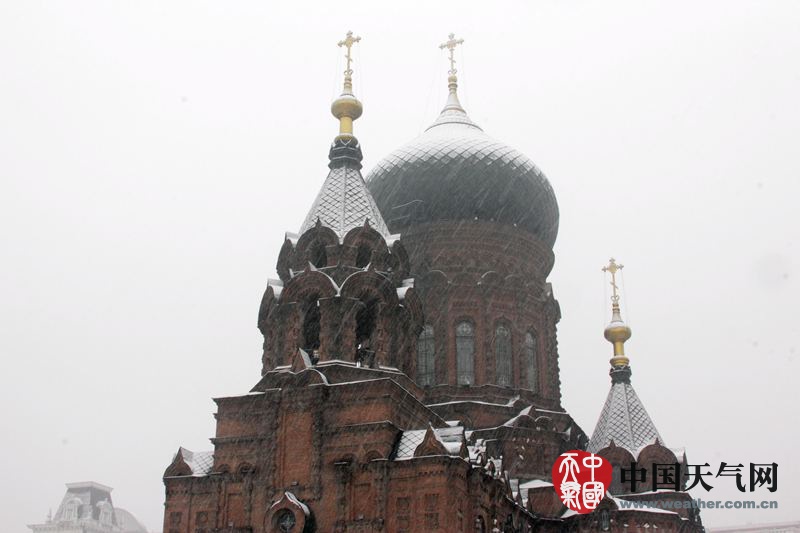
{"x":451,"y":44}
{"x":612,"y":268}
{"x":349,"y":41}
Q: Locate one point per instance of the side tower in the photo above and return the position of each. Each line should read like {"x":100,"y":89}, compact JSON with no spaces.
{"x":626,"y":435}
{"x":343,"y":292}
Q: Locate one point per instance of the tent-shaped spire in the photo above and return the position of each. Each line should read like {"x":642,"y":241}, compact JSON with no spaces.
{"x":623,"y":419}
{"x":344,"y":202}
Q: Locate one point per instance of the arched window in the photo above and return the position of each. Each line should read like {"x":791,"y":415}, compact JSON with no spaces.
{"x":502,"y":354}
{"x":605,"y":520}
{"x":363,"y":256}
{"x":531,"y":366}
{"x":366,"y":320}
{"x":71,"y":510}
{"x":105,"y":513}
{"x":426,"y":350}
{"x":285,"y":521}
{"x":465,"y":353}
{"x":318,"y":256}
{"x":311,"y":327}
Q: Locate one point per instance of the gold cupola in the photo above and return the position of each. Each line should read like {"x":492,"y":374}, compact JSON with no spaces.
{"x":347,"y":107}
{"x":617,"y":332}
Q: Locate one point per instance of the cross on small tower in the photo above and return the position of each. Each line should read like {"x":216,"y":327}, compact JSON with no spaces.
{"x":451,"y":44}
{"x":349,"y":41}
{"x":612,"y":268}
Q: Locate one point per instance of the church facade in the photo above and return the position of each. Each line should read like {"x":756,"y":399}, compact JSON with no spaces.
{"x":410,"y":377}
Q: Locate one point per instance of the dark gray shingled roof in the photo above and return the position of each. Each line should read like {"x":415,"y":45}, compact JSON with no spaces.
{"x":454,"y":171}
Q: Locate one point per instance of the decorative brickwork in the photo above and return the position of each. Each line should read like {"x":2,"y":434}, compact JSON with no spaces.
{"x":342,"y":433}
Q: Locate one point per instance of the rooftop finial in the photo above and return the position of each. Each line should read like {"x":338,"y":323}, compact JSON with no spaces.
{"x":348,"y":42}
{"x":612,"y":268}
{"x":617,"y":332}
{"x":347,"y":108}
{"x":452,"y":80}
{"x":451,"y":44}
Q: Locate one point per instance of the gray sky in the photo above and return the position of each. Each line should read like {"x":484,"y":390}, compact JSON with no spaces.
{"x":152,"y":155}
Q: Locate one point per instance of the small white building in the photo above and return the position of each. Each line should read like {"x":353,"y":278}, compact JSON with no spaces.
{"x":87,"y":508}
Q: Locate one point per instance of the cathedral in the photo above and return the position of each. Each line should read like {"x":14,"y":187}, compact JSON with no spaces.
{"x":410,"y":378}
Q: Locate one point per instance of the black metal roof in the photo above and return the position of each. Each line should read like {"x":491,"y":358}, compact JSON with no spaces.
{"x":454,"y":171}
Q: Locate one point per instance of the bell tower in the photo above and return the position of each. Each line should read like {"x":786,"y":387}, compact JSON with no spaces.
{"x":343,"y":291}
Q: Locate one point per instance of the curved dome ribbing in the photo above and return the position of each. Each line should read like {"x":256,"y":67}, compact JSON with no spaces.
{"x":454,"y":171}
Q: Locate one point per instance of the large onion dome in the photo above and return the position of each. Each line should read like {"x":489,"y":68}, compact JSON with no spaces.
{"x":454,"y":171}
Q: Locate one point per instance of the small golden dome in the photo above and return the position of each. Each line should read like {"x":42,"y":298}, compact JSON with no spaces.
{"x":617,"y":332}
{"x":348,"y":106}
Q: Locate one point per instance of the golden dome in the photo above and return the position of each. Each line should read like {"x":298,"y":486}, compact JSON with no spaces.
{"x":346,"y":108}
{"x":617,"y":332}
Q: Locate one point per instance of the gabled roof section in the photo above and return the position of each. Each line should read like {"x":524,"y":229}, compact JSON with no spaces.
{"x":450,"y":440}
{"x":189,"y":463}
{"x":200,"y":462}
{"x":623,"y":420}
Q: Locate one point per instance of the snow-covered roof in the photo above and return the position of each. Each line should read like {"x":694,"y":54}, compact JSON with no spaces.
{"x":200,"y":463}
{"x":344,"y":203}
{"x":623,"y":420}
{"x":535,"y":484}
{"x":524,"y":412}
{"x":127,"y":522}
{"x":680,"y":453}
{"x":450,"y":437}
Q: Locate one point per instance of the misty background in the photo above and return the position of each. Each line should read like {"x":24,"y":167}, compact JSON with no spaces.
{"x":152,"y":155}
